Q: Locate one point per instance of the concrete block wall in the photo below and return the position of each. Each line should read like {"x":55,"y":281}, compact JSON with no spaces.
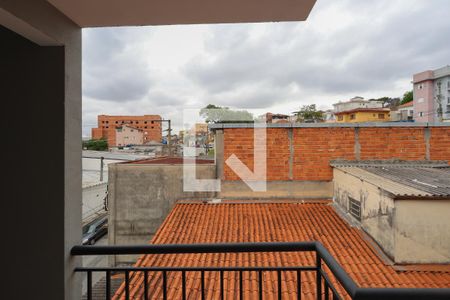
{"x":304,"y":153}
{"x":140,"y":196}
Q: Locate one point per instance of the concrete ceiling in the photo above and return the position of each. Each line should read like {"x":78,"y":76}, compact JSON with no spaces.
{"x":98,"y":13}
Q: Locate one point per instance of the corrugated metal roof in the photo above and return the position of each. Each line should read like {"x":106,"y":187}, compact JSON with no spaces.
{"x":406,"y":181}
{"x":435,"y":181}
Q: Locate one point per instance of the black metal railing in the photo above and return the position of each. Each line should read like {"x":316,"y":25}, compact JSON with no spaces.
{"x":325,"y":288}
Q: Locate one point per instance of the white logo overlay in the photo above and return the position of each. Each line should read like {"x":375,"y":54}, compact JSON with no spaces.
{"x":255,"y":180}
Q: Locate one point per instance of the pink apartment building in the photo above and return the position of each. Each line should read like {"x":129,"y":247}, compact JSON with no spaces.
{"x":432,"y":95}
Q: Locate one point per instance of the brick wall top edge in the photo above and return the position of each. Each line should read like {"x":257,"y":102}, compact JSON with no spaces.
{"x":330,"y":125}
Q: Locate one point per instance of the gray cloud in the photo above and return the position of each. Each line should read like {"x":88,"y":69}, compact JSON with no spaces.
{"x":110,"y":70}
{"x":372,"y":51}
{"x":345,"y":48}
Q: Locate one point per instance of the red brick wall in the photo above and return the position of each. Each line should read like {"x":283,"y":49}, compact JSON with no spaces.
{"x":240,"y":142}
{"x":392,"y":143}
{"x":315,"y":147}
{"x":440,"y":143}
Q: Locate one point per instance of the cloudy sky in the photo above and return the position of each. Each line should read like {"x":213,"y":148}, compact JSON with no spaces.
{"x":345,"y":48}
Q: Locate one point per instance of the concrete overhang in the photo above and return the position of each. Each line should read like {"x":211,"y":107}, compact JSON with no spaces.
{"x":100,"y":13}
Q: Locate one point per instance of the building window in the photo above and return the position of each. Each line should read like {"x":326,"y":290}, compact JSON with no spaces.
{"x":354,"y":208}
{"x":421,"y":114}
{"x":152,"y":122}
{"x":153,"y":127}
{"x":117,"y":122}
{"x":352,"y":117}
{"x":380,"y":116}
{"x":145,"y":122}
{"x":340,"y":118}
{"x":145,"y":127}
{"x":107,"y":122}
{"x":137,"y":122}
{"x":107,"y":126}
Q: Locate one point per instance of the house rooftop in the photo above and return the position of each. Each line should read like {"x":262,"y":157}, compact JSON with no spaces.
{"x":362,"y":109}
{"x":191,"y":223}
{"x":418,"y":179}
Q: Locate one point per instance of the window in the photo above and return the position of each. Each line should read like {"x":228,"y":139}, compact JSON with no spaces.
{"x":421,"y":114}
{"x":340,"y":118}
{"x":354,"y":208}
{"x":107,"y":126}
{"x":145,"y":127}
{"x":137,"y":122}
{"x":380,"y":116}
{"x":117,"y":122}
{"x":352,"y":117}
{"x":153,"y":127}
{"x":145,"y":122}
{"x":152,"y":122}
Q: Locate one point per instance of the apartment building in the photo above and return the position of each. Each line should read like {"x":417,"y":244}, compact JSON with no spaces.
{"x":355,"y":103}
{"x":127,"y":135}
{"x":432,"y":95}
{"x":106,"y":128}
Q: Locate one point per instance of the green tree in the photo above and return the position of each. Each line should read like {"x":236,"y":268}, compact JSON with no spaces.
{"x":218,"y":114}
{"x":309,"y":114}
{"x":407,"y":97}
{"x":97,"y":145}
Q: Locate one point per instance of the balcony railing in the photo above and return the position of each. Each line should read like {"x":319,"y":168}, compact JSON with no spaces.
{"x":325,"y":267}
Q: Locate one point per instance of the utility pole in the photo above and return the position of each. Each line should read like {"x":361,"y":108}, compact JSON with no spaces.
{"x":169,"y":134}
{"x":101,"y":168}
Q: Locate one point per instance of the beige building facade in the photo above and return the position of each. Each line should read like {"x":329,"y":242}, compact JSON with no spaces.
{"x":127,"y":135}
{"x":409,"y":223}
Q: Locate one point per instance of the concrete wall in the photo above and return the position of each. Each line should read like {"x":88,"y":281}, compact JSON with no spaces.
{"x":377,"y":208}
{"x":409,"y":231}
{"x":278,"y":190}
{"x":141,"y":196}
{"x":93,"y":201}
{"x":422,"y":232}
{"x":41,"y":83}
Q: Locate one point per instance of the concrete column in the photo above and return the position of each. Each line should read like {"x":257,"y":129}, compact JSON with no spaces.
{"x":291,"y":153}
{"x":427,"y":136}
{"x":219,"y":152}
{"x":42,"y":84}
{"x":357,"y":147}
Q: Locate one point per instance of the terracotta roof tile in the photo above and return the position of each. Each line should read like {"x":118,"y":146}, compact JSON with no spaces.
{"x":267,"y":222}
